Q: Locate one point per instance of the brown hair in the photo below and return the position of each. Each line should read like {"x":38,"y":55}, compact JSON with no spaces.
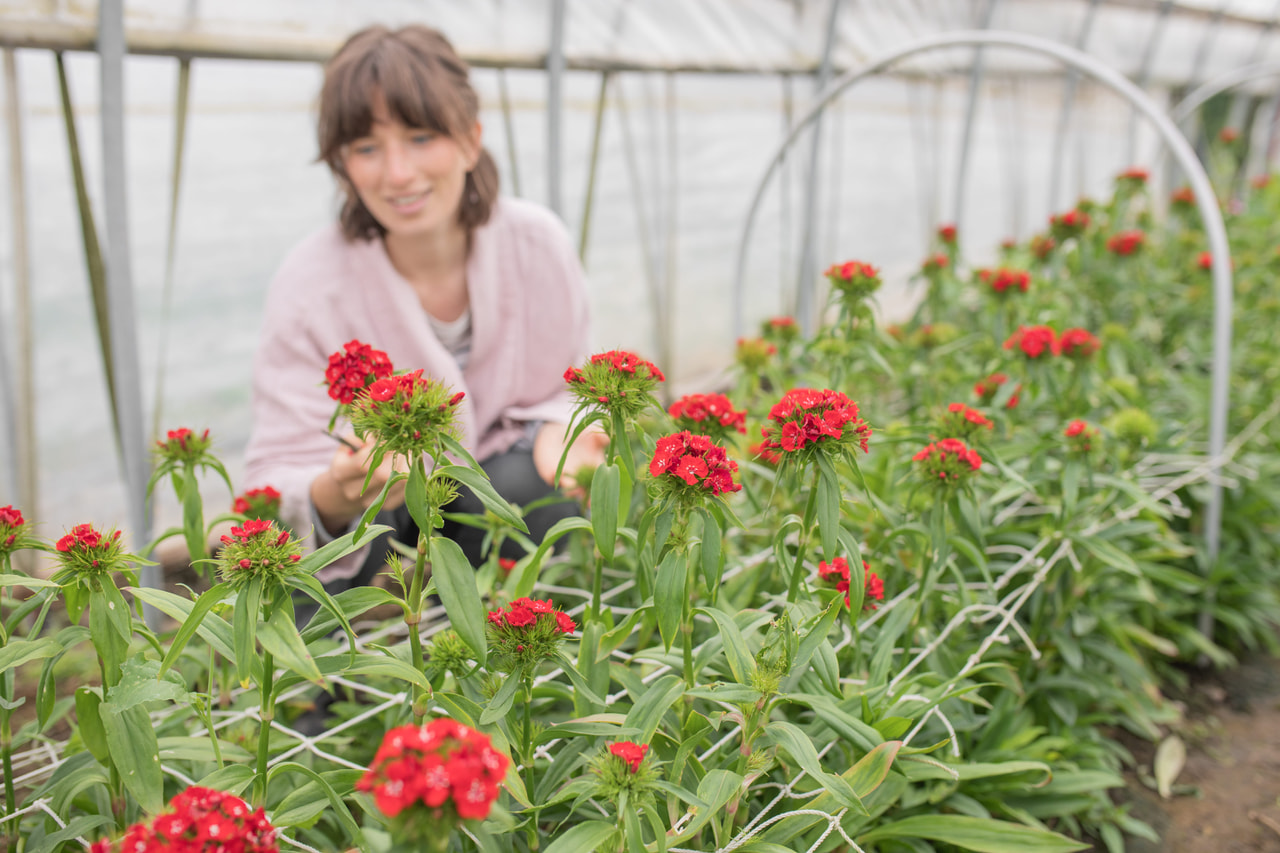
{"x":424,"y":83}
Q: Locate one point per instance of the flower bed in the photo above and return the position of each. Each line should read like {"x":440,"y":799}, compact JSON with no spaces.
{"x":899,"y":619}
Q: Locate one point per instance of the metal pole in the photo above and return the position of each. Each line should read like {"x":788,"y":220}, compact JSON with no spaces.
{"x":23,"y":422}
{"x":1064,"y":117}
{"x":805,"y":312}
{"x":1215,"y":229}
{"x":647,"y":249}
{"x":508,"y":125}
{"x":1224,"y":81}
{"x":555,"y":104}
{"x":601,"y":99}
{"x":784,"y":201}
{"x":666,"y":343}
{"x":1144,"y":74}
{"x":124,"y":350}
{"x":970,"y":113}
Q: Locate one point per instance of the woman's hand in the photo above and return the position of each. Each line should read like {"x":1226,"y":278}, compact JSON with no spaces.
{"x":339,"y":495}
{"x":587,"y":452}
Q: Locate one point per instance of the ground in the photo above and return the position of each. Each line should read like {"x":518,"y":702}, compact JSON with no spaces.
{"x":1229,"y":790}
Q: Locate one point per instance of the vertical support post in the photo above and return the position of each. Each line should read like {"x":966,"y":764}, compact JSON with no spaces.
{"x":638,"y":187}
{"x":123,"y":350}
{"x":970,"y":113}
{"x":1064,"y":116}
{"x":666,"y":343}
{"x":22,"y":425}
{"x":555,"y":105}
{"x":1144,"y":76}
{"x":805,"y":310}
{"x":784,"y":202}
{"x":171,"y":240}
{"x":509,"y":127}
{"x":601,"y":99}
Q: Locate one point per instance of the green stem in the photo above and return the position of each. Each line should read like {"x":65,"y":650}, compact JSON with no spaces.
{"x":266,"y":713}
{"x":527,"y":737}
{"x":686,"y":623}
{"x":597,"y":587}
{"x":413,"y":614}
{"x":802,"y":546}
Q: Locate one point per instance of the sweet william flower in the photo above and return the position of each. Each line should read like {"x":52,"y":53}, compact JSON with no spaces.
{"x":258,"y":503}
{"x":986,"y":389}
{"x":1003,"y":280}
{"x":616,"y":381}
{"x":353,"y":368}
{"x":526,"y":632}
{"x":754,"y":354}
{"x":689,"y":466}
{"x":625,"y":768}
{"x":1125,"y":243}
{"x":85,"y":550}
{"x":1081,"y":436}
{"x":1070,"y":224}
{"x":947,"y":234}
{"x":853,"y":280}
{"x":184,"y":446}
{"x":1132,"y":178}
{"x":836,"y":574}
{"x":199,"y":820}
{"x":806,"y":420}
{"x":712,"y":415}
{"x":934,"y":265}
{"x":1183,"y":198}
{"x":1034,"y":341}
{"x":782,"y":329}
{"x":1042,"y":246}
{"x":258,"y":548}
{"x":963,"y":421}
{"x":407,"y":414}
{"x":632,"y":754}
{"x":1078,"y":344}
{"x":948,"y":462}
{"x":15,"y":532}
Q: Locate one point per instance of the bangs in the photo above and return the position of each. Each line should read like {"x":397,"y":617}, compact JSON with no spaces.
{"x":412,"y":80}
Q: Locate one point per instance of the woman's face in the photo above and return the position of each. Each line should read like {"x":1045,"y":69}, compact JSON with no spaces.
{"x":410,"y":179}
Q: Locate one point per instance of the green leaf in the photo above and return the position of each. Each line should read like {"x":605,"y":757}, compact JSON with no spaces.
{"x":646,"y":714}
{"x":18,"y":652}
{"x":345,"y":544}
{"x":606,"y":493}
{"x":597,"y":725}
{"x":187,"y":748}
{"x":94,"y":736}
{"x":801,"y":748}
{"x":711,"y":550}
{"x":304,"y":804}
{"x":484,"y":490}
{"x":244,"y":624}
{"x":234,"y":779}
{"x":415,"y":499}
{"x":583,"y":837}
{"x":669,"y":594}
{"x":135,"y":752}
{"x":871,"y":770}
{"x":336,"y":805}
{"x":193,"y":517}
{"x":1171,"y":755}
{"x":812,"y":639}
{"x":76,"y":828}
{"x":456,"y":583}
{"x":521,"y":586}
{"x":9,"y":579}
{"x":194,"y":617}
{"x":390,"y":667}
{"x":716,"y":789}
{"x":973,"y":833}
{"x":828,"y":506}
{"x":741,"y":664}
{"x":141,"y":682}
{"x":279,"y":635}
{"x":502,"y":701}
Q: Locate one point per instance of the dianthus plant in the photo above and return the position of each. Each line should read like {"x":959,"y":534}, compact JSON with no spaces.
{"x":179,"y":456}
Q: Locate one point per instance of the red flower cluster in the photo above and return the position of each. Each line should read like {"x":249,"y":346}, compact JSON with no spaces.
{"x":693,"y":411}
{"x":947,"y":234}
{"x":761,"y":450}
{"x":1126,"y":242}
{"x":1135,"y":175}
{"x":696,"y":460}
{"x":254,"y":546}
{"x":807,"y":416}
{"x":199,"y":820}
{"x":632,"y":754}
{"x":505,"y":565}
{"x":181,"y":439}
{"x":442,"y":763}
{"x":985,"y":389}
{"x":1034,"y":341}
{"x":525,"y":612}
{"x":1078,"y":343}
{"x":837,"y":574}
{"x":1080,"y":435}
{"x":949,"y":460}
{"x":782,"y":328}
{"x":353,"y":368}
{"x":619,"y":360}
{"x":1260,"y":182}
{"x":963,"y":421}
{"x":252,"y":529}
{"x":1042,"y":246}
{"x":258,"y":502}
{"x":1069,"y":224}
{"x":83,"y":538}
{"x":10,"y":522}
{"x":935,"y":264}
{"x":1005,"y":278}
{"x":1228,"y":135}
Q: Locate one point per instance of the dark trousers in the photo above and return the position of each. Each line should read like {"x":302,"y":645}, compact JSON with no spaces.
{"x":513,"y":476}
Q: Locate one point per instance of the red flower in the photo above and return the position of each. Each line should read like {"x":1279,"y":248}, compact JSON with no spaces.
{"x":1005,"y":278}
{"x":200,"y":820}
{"x":565,"y":622}
{"x":985,"y":389}
{"x":964,"y":421}
{"x":696,"y":461}
{"x":10,"y":517}
{"x":1228,"y":135}
{"x":754,"y":353}
{"x":632,"y":754}
{"x":947,"y":234}
{"x":1260,"y":182}
{"x":258,"y":502}
{"x":1080,"y":436}
{"x":1034,"y":341}
{"x":806,"y":416}
{"x":1078,"y":343}
{"x":443,"y":766}
{"x":1069,"y":224}
{"x":837,"y":574}
{"x":1126,"y":243}
{"x":353,"y":368}
{"x":505,"y":565}
{"x":1042,"y":246}
{"x":935,"y":264}
{"x":1183,"y":197}
{"x":1134,"y":175}
{"x":761,"y":450}
{"x":711,"y":414}
{"x":83,"y":538}
{"x":948,"y":461}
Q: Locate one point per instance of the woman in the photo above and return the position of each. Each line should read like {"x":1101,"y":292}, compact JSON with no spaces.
{"x":427,"y":263}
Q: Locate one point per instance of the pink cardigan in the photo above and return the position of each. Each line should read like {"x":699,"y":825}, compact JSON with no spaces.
{"x":528,"y":318}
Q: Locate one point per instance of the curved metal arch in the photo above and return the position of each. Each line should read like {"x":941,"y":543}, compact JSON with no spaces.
{"x":1217,"y":85}
{"x":1214,"y":227}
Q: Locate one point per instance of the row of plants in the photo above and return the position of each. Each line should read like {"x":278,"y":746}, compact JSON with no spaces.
{"x":894,"y":592}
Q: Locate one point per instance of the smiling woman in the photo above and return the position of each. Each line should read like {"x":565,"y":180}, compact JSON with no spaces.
{"x":481,"y":294}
